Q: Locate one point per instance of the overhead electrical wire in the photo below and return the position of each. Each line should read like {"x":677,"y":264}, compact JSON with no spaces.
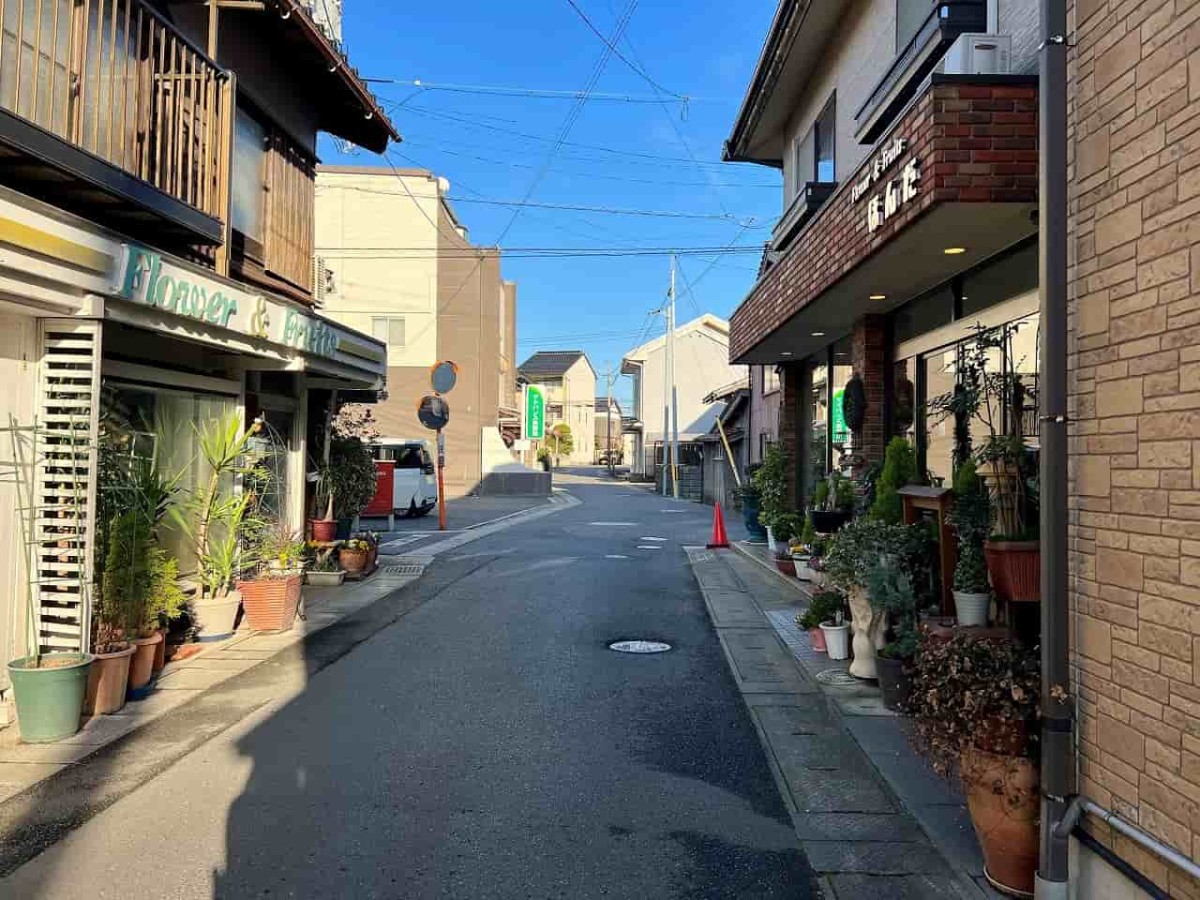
{"x":611,"y":44}
{"x":488,"y":90}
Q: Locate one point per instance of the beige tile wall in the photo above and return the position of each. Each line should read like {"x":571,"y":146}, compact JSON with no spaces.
{"x":1135,"y":359}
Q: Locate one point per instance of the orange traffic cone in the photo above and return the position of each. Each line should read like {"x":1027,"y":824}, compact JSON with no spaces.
{"x":719,"y":540}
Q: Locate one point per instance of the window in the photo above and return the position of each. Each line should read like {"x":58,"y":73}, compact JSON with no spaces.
{"x":770,"y":379}
{"x":390,"y":330}
{"x":824,"y":143}
{"x":249,"y":173}
{"x":910,"y":16}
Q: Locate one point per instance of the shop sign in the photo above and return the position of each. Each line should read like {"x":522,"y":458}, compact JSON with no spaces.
{"x":885,"y":202}
{"x":150,"y":280}
{"x":534,"y":417}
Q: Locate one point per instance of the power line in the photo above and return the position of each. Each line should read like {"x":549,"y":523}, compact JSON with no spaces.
{"x":488,"y":90}
{"x":465,"y":120}
{"x":622,"y":178}
{"x":612,"y":46}
{"x":520,"y":253}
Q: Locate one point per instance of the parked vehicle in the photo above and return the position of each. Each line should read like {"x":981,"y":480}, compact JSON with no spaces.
{"x":414,"y":486}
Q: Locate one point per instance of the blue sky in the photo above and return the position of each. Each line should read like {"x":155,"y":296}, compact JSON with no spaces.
{"x":705,"y":50}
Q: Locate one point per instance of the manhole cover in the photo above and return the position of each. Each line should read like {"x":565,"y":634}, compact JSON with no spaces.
{"x":836,"y":677}
{"x":639,"y":647}
{"x":402,"y":570}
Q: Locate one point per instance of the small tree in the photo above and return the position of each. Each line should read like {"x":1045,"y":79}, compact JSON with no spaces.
{"x":559,"y":440}
{"x":899,"y":469}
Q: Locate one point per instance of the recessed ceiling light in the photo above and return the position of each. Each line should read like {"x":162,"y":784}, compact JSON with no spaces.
{"x":955,"y":251}
{"x":786,"y":353}
{"x":878,"y":297}
{"x":818,"y":334}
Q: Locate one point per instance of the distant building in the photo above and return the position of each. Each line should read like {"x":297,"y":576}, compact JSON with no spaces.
{"x":701,"y":366}
{"x":569,"y":383}
{"x":426,"y":303}
{"x":609,"y":431}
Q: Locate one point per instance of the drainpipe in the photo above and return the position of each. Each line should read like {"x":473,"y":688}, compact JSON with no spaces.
{"x":1057,"y":703}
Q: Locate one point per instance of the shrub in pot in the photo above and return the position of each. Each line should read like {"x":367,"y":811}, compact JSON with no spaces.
{"x":325,"y":572}
{"x":771,"y":482}
{"x":270,"y":587}
{"x":857,"y":547}
{"x":890,"y":590}
{"x":830,"y":509}
{"x":751,"y":510}
{"x":899,"y":470}
{"x":825,"y":606}
{"x":783,"y":560}
{"x":353,"y":556}
{"x":165,"y":601}
{"x":975,"y":705}
{"x":970,"y":518}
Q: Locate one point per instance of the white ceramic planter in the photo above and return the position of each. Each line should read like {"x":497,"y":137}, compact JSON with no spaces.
{"x":870,"y":626}
{"x":215,"y":618}
{"x":972,"y":609}
{"x":325,"y":579}
{"x":837,"y":640}
{"x":803,"y":572}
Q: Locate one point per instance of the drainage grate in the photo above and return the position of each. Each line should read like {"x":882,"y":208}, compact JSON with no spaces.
{"x":836,"y":677}
{"x":402,"y":570}
{"x":639,"y":646}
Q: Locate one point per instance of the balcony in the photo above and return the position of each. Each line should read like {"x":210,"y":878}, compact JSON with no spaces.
{"x":106,"y":110}
{"x":807,"y":202}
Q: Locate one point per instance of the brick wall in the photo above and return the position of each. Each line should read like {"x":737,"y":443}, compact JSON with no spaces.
{"x":1135,"y":404}
{"x":790,"y":388}
{"x":977,"y":142}
{"x":869,"y":354}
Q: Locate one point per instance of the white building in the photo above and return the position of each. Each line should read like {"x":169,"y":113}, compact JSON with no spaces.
{"x":701,"y":366}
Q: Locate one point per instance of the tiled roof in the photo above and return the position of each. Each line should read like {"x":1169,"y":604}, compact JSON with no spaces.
{"x":550,"y":363}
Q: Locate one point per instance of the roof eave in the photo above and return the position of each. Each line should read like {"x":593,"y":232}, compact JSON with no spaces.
{"x":761,"y":84}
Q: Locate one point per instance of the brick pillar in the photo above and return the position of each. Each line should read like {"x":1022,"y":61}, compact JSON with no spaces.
{"x":789,"y":426}
{"x":869,"y":356}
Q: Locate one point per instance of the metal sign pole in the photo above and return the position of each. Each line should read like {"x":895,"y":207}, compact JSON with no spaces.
{"x":441,"y":482}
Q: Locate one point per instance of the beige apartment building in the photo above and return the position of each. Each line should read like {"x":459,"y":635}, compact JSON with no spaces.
{"x":399,"y":265}
{"x":568,"y":382}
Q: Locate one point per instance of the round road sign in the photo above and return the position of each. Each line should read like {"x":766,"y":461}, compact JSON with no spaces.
{"x":443,"y":377}
{"x":434,"y":412}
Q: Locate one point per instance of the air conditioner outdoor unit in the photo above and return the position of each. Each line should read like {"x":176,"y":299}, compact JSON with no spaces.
{"x":979,"y":54}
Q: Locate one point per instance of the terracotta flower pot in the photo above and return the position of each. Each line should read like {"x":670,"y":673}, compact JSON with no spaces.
{"x":817,"y":636}
{"x":270,"y":603}
{"x":323,"y":530}
{"x":1002,"y":797}
{"x":141,"y":665}
{"x":107,"y":681}
{"x":1015,"y":569}
{"x":160,"y":651}
{"x":352,"y":561}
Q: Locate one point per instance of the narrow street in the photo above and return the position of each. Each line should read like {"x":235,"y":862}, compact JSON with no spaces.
{"x":486,"y":744}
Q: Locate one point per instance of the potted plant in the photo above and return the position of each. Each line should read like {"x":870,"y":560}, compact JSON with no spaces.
{"x":857,"y":547}
{"x":322,"y":525}
{"x":270,"y":585}
{"x":213,"y":516}
{"x":164,"y":601}
{"x":353,"y":556}
{"x":833,"y":500}
{"x":325,"y":572}
{"x":975,"y":706}
{"x":751,"y":509}
{"x":996,"y":399}
{"x":970,"y":518}
{"x":823,"y":607}
{"x":802,"y":547}
{"x":48,"y":688}
{"x":771,"y":481}
{"x":353,"y":479}
{"x":371,"y":539}
{"x":890,"y":588}
{"x":837,"y":632}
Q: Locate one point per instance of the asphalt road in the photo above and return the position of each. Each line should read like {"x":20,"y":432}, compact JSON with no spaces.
{"x":486,"y":745}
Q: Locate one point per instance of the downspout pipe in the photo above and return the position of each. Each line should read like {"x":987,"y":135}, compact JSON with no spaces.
{"x":1057,"y":702}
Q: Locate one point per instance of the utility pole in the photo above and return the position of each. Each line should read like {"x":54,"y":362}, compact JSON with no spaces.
{"x":674,"y":395}
{"x":666,"y":432}
{"x":608,"y":453}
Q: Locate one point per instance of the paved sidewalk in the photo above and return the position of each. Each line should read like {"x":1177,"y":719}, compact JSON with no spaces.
{"x":873,"y":819}
{"x":24,"y":765}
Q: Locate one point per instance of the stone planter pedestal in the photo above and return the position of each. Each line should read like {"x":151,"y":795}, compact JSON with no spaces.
{"x":869,"y":628}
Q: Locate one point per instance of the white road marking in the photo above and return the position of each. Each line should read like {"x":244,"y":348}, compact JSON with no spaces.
{"x":673,"y":510}
{"x":615,"y":556}
{"x":649,"y":547}
{"x":614,"y":523}
{"x":655,"y":540}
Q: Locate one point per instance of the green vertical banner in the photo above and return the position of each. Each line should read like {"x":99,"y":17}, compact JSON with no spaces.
{"x":535,"y":414}
{"x":841,"y":434}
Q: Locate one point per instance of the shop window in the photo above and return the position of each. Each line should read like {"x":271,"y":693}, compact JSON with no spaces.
{"x":248,"y":198}
{"x":1010,"y":276}
{"x":841,"y":437}
{"x":825,"y":143}
{"x":817,"y":415}
{"x":390,"y":330}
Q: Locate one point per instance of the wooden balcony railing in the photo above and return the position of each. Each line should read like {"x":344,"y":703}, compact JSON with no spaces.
{"x":116,"y":79}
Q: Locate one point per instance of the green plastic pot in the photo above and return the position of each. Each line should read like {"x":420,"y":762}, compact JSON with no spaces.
{"x":49,"y":699}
